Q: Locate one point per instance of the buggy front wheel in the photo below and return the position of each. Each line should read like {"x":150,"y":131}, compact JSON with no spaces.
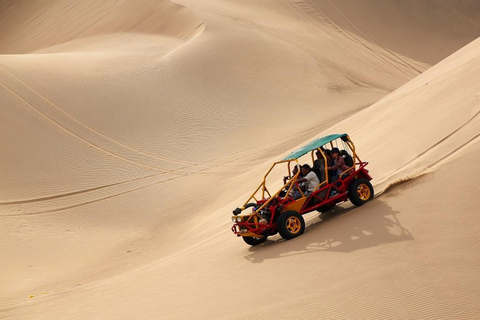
{"x":253,"y":241}
{"x":290,"y":224}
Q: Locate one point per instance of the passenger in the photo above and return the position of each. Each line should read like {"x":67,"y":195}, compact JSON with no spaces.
{"x":338,"y":165}
{"x":348,"y":158}
{"x":319,"y":166}
{"x":310,"y":178}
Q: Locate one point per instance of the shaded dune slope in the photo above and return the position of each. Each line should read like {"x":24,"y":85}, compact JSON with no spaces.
{"x":27,"y":26}
{"x":426,"y":31}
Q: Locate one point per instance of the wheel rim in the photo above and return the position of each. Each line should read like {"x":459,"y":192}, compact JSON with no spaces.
{"x":293,"y":225}
{"x":363,"y":192}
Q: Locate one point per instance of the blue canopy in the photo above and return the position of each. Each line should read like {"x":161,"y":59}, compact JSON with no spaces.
{"x":315,"y":144}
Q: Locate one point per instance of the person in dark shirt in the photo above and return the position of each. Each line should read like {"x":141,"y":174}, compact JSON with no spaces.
{"x":338,"y":166}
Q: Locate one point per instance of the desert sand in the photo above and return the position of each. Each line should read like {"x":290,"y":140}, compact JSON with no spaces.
{"x":130,"y":130}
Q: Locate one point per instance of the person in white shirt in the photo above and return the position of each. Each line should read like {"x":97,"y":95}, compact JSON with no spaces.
{"x":310,"y":178}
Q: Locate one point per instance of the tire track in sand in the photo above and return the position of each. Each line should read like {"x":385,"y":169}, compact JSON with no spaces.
{"x":58,"y":116}
{"x":78,"y":129}
{"x":313,"y":11}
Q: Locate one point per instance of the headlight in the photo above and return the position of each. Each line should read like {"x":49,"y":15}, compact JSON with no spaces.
{"x":239,"y":219}
{"x":234,"y":219}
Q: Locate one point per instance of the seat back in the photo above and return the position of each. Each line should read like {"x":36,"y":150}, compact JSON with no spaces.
{"x":348,"y":158}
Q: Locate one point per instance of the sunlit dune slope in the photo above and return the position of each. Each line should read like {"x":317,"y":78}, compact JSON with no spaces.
{"x":423,"y":123}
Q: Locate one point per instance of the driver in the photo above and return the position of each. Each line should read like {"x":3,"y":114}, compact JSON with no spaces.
{"x":294,"y":172}
{"x":294,"y":192}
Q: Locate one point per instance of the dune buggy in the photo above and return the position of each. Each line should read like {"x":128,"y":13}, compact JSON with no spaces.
{"x":281,"y":212}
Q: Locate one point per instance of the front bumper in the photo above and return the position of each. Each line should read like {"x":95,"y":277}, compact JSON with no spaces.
{"x":253,"y":230}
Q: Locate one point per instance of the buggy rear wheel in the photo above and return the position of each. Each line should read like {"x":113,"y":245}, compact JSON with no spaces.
{"x":290,"y":224}
{"x":360,"y":192}
{"x":254,"y":241}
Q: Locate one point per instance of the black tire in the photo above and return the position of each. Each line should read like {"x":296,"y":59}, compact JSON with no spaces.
{"x":360,"y":192}
{"x":290,"y":224}
{"x":253,"y":241}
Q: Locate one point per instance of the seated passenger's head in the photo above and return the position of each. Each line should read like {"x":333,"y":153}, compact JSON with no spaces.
{"x":306,"y":169}
{"x":335,"y":152}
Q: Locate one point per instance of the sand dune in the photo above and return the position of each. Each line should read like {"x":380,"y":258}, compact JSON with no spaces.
{"x":131,"y":129}
{"x":29,"y":27}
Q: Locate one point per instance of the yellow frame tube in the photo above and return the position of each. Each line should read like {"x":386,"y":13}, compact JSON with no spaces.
{"x":291,"y":182}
